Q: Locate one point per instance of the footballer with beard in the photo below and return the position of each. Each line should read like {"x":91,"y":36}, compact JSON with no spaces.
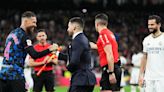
{"x":151,"y":75}
{"x":18,"y":45}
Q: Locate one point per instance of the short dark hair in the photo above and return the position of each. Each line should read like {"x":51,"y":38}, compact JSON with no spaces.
{"x":41,"y":30}
{"x":156,"y":17}
{"x":28,"y":14}
{"x":103,"y":17}
{"x":77,"y":20}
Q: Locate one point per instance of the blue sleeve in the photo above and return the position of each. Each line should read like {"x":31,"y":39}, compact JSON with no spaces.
{"x":63,"y":56}
{"x":27,"y":44}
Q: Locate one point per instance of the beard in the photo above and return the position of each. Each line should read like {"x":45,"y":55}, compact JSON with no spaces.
{"x":153,"y":31}
{"x":42,"y":41}
{"x":70,"y":34}
{"x":30,"y":30}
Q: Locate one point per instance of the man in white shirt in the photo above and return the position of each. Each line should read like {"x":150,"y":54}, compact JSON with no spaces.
{"x":152,"y":64}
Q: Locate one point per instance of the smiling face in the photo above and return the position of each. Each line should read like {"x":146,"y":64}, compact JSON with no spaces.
{"x":30,"y":23}
{"x":153,"y":26}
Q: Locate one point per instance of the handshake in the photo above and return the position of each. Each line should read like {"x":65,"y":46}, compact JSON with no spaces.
{"x":54,"y":47}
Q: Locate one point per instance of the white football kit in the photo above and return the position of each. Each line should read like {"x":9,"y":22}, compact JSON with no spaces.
{"x":154,"y":72}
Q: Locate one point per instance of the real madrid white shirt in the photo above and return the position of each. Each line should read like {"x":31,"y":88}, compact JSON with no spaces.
{"x":154,"y":47}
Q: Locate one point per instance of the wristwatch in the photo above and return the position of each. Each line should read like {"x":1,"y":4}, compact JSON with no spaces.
{"x":109,"y":72}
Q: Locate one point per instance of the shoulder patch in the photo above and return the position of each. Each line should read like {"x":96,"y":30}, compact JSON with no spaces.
{"x":29,"y":42}
{"x":112,"y":36}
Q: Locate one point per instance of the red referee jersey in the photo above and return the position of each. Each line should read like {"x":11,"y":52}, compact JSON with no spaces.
{"x":39,"y":48}
{"x":107,"y":37}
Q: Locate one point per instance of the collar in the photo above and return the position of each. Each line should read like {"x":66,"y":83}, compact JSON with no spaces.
{"x":45,"y":44}
{"x":103,"y":29}
{"x":74,"y":35}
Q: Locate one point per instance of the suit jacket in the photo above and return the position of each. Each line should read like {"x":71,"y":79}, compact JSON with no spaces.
{"x":79,"y":58}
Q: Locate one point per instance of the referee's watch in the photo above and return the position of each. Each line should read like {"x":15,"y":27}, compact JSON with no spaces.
{"x":109,"y":72}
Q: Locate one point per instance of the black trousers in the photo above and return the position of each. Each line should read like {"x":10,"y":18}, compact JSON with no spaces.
{"x":81,"y":89}
{"x":45,"y":79}
{"x":12,"y":85}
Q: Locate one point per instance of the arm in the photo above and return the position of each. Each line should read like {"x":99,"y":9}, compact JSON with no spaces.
{"x":34,"y":54}
{"x":54,"y":61}
{"x":142,"y":68}
{"x":110,"y":60}
{"x":53,"y":58}
{"x":93,"y":45}
{"x":109,"y":56}
{"x":33,"y":63}
{"x":27,"y":44}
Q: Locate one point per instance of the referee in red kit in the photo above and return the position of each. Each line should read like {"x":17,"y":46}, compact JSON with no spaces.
{"x":108,"y":52}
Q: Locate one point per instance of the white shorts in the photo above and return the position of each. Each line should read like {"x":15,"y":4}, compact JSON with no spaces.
{"x":134,"y":75}
{"x":28,"y":78}
{"x":154,"y":86}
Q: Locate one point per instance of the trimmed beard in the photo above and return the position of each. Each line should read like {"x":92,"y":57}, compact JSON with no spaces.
{"x":30,"y":31}
{"x":154,"y":31}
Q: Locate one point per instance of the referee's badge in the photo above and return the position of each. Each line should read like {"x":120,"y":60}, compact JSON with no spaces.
{"x":113,"y":36}
{"x":29,"y":42}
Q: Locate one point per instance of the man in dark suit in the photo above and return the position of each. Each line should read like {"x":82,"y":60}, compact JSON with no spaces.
{"x":79,"y":63}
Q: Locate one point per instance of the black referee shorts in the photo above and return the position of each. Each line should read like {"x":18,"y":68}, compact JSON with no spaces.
{"x":105,"y":83}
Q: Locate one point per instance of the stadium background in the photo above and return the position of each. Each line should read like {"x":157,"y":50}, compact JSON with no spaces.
{"x":127,"y":19}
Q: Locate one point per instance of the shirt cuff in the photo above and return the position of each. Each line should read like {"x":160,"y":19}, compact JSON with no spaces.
{"x":57,"y":53}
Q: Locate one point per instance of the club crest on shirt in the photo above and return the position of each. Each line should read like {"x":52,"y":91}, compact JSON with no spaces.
{"x":29,"y":42}
{"x":148,"y":44}
{"x":160,"y":43}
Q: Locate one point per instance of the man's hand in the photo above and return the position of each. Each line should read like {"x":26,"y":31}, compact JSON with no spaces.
{"x":93,"y":45}
{"x":45,"y":60}
{"x":112,"y":78}
{"x":140,"y":80}
{"x":53,"y":47}
{"x":54,"y":60}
